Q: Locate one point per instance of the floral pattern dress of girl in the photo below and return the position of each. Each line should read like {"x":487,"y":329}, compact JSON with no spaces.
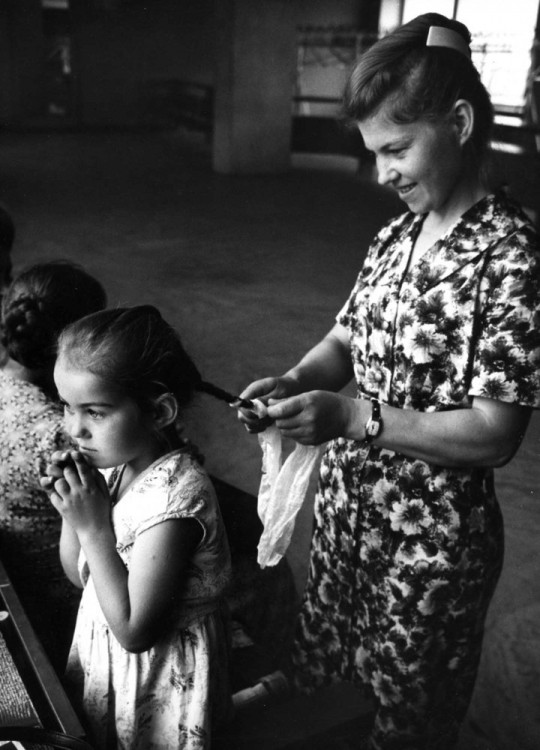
{"x":166,"y":696}
{"x":406,"y":555}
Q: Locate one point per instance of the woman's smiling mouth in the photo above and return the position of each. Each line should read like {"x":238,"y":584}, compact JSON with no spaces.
{"x":405,"y":190}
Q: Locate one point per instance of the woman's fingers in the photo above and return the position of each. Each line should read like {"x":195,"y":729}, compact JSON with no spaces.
{"x":286,"y":409}
{"x":263,"y":391}
{"x":255,"y":419}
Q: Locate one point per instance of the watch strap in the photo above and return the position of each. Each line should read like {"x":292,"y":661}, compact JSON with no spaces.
{"x":374,"y":425}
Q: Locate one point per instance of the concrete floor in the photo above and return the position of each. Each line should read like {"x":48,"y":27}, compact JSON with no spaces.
{"x":252,"y":270}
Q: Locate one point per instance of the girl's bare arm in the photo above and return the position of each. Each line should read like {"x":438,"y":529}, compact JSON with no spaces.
{"x":69,"y":553}
{"x":136,"y":603}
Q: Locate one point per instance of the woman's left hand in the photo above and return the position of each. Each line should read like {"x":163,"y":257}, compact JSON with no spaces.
{"x":81,"y":496}
{"x":314,"y":417}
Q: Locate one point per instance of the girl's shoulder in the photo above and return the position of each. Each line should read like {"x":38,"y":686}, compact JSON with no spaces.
{"x":173,"y":486}
{"x":178,"y":466}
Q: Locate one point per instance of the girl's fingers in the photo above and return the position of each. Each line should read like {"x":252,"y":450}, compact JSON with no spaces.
{"x":59,"y":461}
{"x":60,"y":457}
{"x":57,"y":502}
{"x":85,"y":471}
{"x":61,"y":487}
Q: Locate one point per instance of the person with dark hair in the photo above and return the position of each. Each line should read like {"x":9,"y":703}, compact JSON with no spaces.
{"x":149,"y":658}
{"x":441,"y":333}
{"x":36,"y":306}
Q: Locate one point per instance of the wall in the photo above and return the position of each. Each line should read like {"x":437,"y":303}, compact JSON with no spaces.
{"x":21,"y":60}
{"x":118,"y":53}
{"x":120,"y":49}
{"x":328,"y":47}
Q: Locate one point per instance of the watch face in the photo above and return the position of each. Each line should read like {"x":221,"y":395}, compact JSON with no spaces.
{"x":372,"y":428}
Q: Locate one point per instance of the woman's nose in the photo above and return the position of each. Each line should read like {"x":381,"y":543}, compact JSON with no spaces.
{"x":386,"y":173}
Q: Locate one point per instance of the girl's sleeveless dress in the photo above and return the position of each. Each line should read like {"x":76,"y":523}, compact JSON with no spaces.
{"x":169,"y":696}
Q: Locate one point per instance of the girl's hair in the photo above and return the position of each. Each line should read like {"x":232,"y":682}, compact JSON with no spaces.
{"x":136,"y":350}
{"x":419,"y":82}
{"x":38,"y":304}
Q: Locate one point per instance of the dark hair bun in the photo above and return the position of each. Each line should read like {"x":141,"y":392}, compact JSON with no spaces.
{"x":39,"y":303}
{"x":24,"y":334}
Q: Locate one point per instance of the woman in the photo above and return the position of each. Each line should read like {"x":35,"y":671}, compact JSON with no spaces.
{"x":36,"y":306}
{"x":441,"y":335}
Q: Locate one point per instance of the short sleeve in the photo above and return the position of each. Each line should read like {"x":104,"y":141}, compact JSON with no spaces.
{"x":187,"y":499}
{"x":174,"y":489}
{"x":507,"y":359}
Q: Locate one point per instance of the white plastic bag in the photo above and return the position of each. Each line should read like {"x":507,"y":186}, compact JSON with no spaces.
{"x":282,"y":490}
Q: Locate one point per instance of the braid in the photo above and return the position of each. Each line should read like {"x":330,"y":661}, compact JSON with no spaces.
{"x":219,"y":393}
{"x":213,"y":390}
{"x":26,"y":333}
{"x":38,"y":304}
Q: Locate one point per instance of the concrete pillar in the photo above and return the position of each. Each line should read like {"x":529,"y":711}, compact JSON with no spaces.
{"x":255,"y":71}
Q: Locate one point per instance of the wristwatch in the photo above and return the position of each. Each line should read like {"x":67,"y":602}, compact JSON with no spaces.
{"x":374,"y":425}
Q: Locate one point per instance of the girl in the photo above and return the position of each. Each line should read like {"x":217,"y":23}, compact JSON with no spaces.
{"x":145,"y":537}
{"x":39,"y":302}
{"x":441,"y":334}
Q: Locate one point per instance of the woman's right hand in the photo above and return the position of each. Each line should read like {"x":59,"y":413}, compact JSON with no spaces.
{"x":263,"y":390}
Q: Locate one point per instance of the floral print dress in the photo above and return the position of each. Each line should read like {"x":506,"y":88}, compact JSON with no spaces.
{"x":30,"y":431}
{"x":405,"y":555}
{"x":170,"y":695}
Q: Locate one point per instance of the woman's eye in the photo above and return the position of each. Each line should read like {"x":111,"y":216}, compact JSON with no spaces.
{"x":67,"y":410}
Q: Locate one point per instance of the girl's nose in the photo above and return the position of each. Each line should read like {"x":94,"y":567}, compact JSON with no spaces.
{"x":75,"y":426}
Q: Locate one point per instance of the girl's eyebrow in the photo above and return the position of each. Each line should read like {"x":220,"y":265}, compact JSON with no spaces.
{"x":87,"y":404}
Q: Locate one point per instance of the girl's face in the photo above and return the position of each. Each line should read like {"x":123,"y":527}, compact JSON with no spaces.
{"x":422,"y":160}
{"x":108,"y":427}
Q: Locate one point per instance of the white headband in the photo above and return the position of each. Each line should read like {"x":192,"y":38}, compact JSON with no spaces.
{"x":440,"y":36}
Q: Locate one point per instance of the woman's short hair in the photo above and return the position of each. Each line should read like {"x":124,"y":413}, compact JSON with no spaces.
{"x":417,"y":82}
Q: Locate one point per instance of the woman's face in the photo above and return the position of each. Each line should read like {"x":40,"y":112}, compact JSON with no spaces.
{"x":422,"y":161}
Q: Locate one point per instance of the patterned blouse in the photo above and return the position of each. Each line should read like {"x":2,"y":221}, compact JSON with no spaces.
{"x":30,"y":430}
{"x":463,"y":322}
